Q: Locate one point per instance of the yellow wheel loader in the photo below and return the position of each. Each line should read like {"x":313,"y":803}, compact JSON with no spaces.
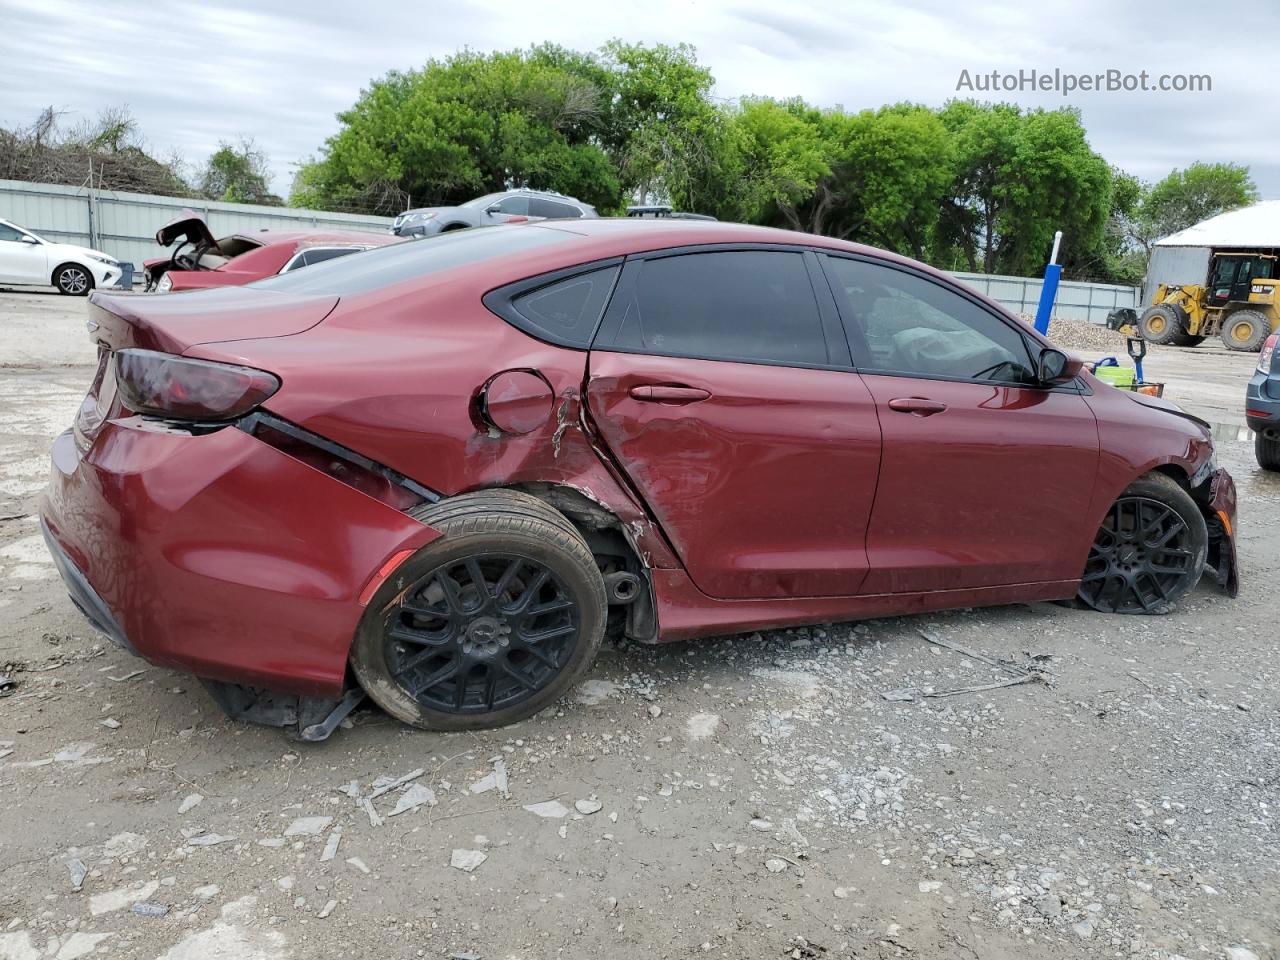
{"x":1237,"y":303}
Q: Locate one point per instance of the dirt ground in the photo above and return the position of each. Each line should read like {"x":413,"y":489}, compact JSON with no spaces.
{"x":751,"y":796}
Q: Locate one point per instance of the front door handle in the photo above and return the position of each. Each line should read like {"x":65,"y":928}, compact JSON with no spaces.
{"x":661,"y":393}
{"x":920,"y":406}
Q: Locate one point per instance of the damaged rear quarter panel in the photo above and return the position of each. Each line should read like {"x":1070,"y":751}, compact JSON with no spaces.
{"x":409,"y":397}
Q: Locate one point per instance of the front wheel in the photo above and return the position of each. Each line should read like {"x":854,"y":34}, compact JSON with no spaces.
{"x":73,"y":280}
{"x":1149,"y":551}
{"x":488,"y":624}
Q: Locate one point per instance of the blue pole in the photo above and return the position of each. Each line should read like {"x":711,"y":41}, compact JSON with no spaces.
{"x":1048,"y":294}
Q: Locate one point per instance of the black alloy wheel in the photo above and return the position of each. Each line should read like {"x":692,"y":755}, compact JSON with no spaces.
{"x":489,"y":623}
{"x":1148,"y":553}
{"x":481,"y":635}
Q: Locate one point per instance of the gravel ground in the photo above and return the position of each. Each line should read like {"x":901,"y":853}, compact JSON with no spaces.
{"x":751,"y":796}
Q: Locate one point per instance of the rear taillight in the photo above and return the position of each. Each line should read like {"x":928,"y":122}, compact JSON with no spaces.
{"x":1268,"y":350}
{"x":165,"y":385}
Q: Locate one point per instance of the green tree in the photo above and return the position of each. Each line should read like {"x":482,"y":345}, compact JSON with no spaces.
{"x":1185,"y":197}
{"x":1019,"y":177}
{"x":466,"y":125}
{"x":238,"y":174}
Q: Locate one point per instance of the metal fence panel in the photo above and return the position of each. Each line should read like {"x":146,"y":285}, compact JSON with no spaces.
{"x":1076,"y":300}
{"x":124,"y":224}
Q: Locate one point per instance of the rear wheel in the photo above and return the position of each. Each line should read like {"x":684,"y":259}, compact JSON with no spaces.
{"x":73,"y":280}
{"x":487,"y":625}
{"x":1163,"y":323}
{"x":1245,"y":330}
{"x":1149,"y":551}
{"x":1267,"y":452}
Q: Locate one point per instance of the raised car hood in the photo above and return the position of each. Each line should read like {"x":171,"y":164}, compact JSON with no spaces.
{"x":176,"y":323}
{"x":189,"y":226}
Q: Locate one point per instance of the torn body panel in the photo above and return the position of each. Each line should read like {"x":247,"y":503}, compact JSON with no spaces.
{"x":207,"y":551}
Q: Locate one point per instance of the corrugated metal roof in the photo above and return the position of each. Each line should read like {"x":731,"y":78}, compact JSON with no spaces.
{"x":1255,"y":226}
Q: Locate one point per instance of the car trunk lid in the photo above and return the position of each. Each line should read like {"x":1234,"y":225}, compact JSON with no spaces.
{"x":175,"y":322}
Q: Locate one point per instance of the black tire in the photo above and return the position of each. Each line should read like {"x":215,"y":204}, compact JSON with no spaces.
{"x":1245,"y":330}
{"x":1163,"y":323}
{"x":463,"y":656}
{"x":1149,"y":552}
{"x":1187,"y":340}
{"x":73,"y":280}
{"x":1267,"y":452}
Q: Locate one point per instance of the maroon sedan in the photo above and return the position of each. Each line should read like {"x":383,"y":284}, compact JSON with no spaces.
{"x":442,"y":472}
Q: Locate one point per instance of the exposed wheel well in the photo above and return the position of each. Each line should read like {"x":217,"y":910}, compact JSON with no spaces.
{"x":606,"y":535}
{"x":1176,"y":474}
{"x":454,"y":226}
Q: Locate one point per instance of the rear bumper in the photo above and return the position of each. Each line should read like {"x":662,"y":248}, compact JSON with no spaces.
{"x":218,"y":554}
{"x":1262,"y":404}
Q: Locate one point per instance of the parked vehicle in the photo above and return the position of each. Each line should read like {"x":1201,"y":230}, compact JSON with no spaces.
{"x":1237,"y":302}
{"x":454,"y":467}
{"x":198,"y":261}
{"x":664,"y":212}
{"x":490,"y":211}
{"x":1262,"y":406}
{"x":26,"y":257}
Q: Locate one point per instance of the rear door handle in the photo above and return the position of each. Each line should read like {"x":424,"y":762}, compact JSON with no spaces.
{"x":656,"y":393}
{"x":920,"y":406}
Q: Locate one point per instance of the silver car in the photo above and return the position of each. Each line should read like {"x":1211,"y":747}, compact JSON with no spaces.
{"x":489,"y":211}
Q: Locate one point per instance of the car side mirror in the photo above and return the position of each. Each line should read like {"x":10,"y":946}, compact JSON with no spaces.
{"x":1054,"y":367}
{"x":30,"y":240}
{"x":494,"y":209}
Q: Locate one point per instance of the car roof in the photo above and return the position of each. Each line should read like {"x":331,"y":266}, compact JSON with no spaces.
{"x":625,"y":235}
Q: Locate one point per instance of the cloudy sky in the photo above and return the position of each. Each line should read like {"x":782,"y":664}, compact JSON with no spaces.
{"x":196,"y":73}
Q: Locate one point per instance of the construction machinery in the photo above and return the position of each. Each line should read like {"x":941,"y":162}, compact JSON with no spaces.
{"x":1237,"y":302}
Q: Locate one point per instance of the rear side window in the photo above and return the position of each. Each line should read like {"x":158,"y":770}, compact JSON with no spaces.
{"x":397,"y":262}
{"x":563,"y":309}
{"x":907,"y":325}
{"x":320,"y":255}
{"x":539,"y":207}
{"x":749,"y":305}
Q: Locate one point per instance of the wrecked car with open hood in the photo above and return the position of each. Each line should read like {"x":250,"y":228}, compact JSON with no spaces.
{"x":443,"y":472}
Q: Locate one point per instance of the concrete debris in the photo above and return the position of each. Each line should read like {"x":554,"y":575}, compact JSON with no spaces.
{"x":207,"y":892}
{"x":78,"y":945}
{"x":588,"y":807}
{"x":149,"y":909}
{"x":467,"y":860}
{"x":209,"y":840}
{"x":190,"y":802}
{"x":551,"y":809}
{"x":700,"y":726}
{"x":775,"y":865}
{"x":655,"y":711}
{"x":385,"y":785}
{"x":78,"y":872}
{"x":593,"y":692}
{"x":374,"y":819}
{"x":413,"y":798}
{"x":841,"y":893}
{"x":1240,"y":953}
{"x":123,"y":845}
{"x":272,"y":842}
{"x":331,"y":846}
{"x":121,"y":897}
{"x":351,"y":789}
{"x":764,"y":826}
{"x":929,"y":886}
{"x":308,"y":826}
{"x":111,"y":723}
{"x":358,"y":864}
{"x":326,"y":910}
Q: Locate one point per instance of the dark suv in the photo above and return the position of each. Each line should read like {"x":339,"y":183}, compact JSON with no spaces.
{"x":489,"y":211}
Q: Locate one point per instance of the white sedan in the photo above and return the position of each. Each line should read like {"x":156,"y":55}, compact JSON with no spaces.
{"x":28,"y":258}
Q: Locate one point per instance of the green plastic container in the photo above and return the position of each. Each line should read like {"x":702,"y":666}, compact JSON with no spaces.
{"x":1116,"y":376}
